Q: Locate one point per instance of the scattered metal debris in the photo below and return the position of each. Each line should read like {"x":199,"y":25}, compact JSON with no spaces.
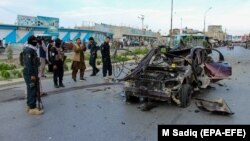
{"x":211,"y":87}
{"x":221,"y":85}
{"x":196,"y":111}
{"x":98,"y":90}
{"x":217,"y":107}
{"x":147,"y":106}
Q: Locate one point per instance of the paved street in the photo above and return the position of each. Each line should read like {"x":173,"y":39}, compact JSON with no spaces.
{"x":86,"y":111}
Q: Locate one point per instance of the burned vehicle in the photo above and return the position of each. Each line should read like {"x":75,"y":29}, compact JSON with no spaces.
{"x":174,"y":75}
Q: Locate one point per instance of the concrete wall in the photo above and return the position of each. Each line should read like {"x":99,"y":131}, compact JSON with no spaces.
{"x":20,"y":34}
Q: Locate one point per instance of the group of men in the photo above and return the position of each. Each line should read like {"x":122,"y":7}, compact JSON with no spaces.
{"x":36,"y":55}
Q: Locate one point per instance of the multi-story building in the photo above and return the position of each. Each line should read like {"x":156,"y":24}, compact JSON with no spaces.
{"x":216,"y":32}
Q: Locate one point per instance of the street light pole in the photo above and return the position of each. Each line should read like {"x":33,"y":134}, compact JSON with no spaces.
{"x":205,"y":14}
{"x":142,"y":17}
{"x":171,"y":23}
{"x":181,"y":25}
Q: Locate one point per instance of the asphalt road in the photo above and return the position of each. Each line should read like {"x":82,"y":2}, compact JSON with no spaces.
{"x":84,"y":111}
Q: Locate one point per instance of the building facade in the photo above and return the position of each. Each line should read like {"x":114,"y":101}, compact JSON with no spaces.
{"x":120,"y":32}
{"x":19,"y":34}
{"x":216,"y":32}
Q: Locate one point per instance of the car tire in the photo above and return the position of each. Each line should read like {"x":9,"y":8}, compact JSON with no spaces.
{"x":130,"y":98}
{"x":185,"y":95}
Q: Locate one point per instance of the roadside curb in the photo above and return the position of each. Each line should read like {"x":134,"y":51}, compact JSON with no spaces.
{"x":21,"y":80}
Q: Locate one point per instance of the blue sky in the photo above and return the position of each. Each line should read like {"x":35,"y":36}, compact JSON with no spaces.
{"x":234,"y":15}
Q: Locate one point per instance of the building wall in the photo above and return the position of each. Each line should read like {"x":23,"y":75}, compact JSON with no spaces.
{"x":216,"y":32}
{"x":5,"y":33}
{"x":20,"y":34}
{"x":120,"y":31}
{"x":215,"y":28}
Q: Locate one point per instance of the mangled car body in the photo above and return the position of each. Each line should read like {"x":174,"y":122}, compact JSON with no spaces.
{"x":174,"y":75}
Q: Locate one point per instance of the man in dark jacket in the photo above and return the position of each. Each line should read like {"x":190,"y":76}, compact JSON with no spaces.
{"x":57,"y":60}
{"x":106,"y":61}
{"x":49,"y":46}
{"x":93,"y":55}
{"x":30,"y":73}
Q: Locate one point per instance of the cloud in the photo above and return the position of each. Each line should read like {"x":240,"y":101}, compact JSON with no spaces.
{"x":233,"y":14}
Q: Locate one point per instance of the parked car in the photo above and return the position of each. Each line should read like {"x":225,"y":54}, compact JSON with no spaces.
{"x":135,"y":43}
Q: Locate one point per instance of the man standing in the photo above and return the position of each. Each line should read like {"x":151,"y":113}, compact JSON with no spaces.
{"x":43,"y":57}
{"x":30,"y":73}
{"x":78,"y":60}
{"x":42,"y":54}
{"x":49,"y":46}
{"x":57,"y":60}
{"x":93,"y":55}
{"x":106,"y":61}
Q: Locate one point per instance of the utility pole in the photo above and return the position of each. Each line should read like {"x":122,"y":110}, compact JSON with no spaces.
{"x":225,"y":38}
{"x":171,"y":23}
{"x":142,"y":17}
{"x":205,"y":14}
{"x":181,"y":25}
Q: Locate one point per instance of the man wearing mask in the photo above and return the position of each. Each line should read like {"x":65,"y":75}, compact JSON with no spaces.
{"x":57,"y":60}
{"x":78,"y":59}
{"x":93,"y":55}
{"x":106,"y":61}
{"x":49,"y":46}
{"x":30,"y":73}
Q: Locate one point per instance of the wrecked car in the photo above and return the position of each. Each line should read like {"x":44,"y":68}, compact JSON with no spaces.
{"x":173,"y":76}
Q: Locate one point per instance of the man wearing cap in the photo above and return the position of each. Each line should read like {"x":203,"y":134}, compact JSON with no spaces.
{"x":93,"y":55}
{"x":30,"y":73}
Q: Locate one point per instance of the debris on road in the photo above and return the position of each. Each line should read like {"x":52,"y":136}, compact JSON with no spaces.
{"x":221,"y":85}
{"x":197,"y":111}
{"x":211,"y":87}
{"x":216,"y":107}
{"x":147,"y":106}
{"x":98,"y":90}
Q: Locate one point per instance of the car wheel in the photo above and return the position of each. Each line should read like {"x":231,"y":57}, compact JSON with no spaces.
{"x":185,"y":95}
{"x":131,"y":98}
